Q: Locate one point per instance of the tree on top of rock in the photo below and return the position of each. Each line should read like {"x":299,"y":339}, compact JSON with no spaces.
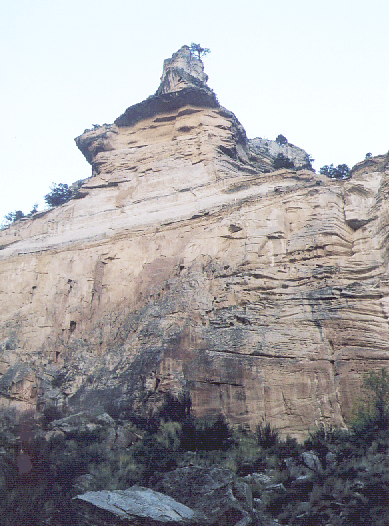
{"x":201,"y":51}
{"x":281,"y":139}
{"x":342,"y":171}
{"x":11,"y":217}
{"x":281,"y":161}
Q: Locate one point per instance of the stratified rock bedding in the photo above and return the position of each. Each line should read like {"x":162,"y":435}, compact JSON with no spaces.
{"x":190,"y":264}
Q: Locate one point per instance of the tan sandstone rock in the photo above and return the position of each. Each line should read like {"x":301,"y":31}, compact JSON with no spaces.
{"x":186,"y":263}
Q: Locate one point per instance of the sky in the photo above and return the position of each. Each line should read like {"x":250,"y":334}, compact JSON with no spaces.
{"x":315,"y":71}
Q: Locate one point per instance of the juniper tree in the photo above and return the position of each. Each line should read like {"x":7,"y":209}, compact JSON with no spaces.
{"x":59,"y":194}
{"x":201,"y":51}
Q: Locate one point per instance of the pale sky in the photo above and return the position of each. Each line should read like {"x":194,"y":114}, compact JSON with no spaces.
{"x":314,"y":70}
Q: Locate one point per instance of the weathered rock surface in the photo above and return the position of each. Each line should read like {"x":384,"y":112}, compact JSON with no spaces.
{"x":219,"y":495}
{"x":184,"y":266}
{"x":192,"y":495}
{"x":135,"y":506}
{"x":267,"y":149}
{"x":183,"y":69}
{"x":208,"y":491}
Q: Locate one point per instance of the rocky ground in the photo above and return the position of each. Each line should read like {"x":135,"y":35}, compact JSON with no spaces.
{"x":95,"y":470}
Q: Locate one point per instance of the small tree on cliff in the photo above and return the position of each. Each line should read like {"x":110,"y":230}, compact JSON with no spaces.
{"x":201,"y":51}
{"x":11,"y":217}
{"x":342,"y":171}
{"x":281,"y":139}
{"x":283,"y":162}
{"x":59,"y":194}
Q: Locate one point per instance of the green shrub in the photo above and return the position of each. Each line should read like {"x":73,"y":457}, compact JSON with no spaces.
{"x":206,"y":435}
{"x":281,"y":139}
{"x":201,"y":51}
{"x":152,"y":458}
{"x":85,"y":437}
{"x":352,"y":489}
{"x":372,"y":414}
{"x":287,"y":448}
{"x":325,"y":440}
{"x":266,"y":436}
{"x":342,"y":171}
{"x":175,"y":409}
{"x":58,"y":195}
{"x":11,"y":217}
{"x":50,"y":414}
{"x":169,"y":435}
{"x":281,"y":161}
{"x":149,"y":424}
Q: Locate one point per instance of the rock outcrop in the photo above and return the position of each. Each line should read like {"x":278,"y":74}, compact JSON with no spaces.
{"x":192,"y":496}
{"x":208,"y":491}
{"x":182,"y":70}
{"x":136,"y":506}
{"x":187,"y":263}
{"x":269,"y":150}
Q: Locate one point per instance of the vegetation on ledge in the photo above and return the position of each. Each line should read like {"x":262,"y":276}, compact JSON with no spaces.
{"x":336,"y":477}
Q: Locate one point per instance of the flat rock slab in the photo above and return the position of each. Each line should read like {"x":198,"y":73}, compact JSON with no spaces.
{"x":140,"y":502}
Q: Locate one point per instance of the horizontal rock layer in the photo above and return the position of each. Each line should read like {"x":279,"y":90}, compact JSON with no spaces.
{"x":182,"y":266}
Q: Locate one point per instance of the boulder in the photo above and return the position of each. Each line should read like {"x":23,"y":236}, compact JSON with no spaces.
{"x":312,"y":462}
{"x":82,"y":422}
{"x":136,"y":505}
{"x":84,"y":482}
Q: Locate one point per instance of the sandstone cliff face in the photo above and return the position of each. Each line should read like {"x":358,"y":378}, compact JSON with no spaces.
{"x":184,"y":265}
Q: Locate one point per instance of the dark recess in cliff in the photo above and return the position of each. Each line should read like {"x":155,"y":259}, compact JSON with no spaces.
{"x":167,"y":102}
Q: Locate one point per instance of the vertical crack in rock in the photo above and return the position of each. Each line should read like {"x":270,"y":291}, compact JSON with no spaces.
{"x":97,"y":288}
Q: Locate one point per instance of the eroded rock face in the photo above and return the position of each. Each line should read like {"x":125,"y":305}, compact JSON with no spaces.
{"x":181,"y":70}
{"x":207,"y":491}
{"x":269,"y":150}
{"x":184,"y":266}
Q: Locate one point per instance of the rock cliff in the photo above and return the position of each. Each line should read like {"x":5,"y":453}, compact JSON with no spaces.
{"x":187,"y":263}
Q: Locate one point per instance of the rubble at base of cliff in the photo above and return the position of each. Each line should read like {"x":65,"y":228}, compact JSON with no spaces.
{"x":94,"y":469}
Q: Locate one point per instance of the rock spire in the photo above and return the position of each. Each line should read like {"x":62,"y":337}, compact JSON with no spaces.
{"x":183,"y":83}
{"x":182,"y":70}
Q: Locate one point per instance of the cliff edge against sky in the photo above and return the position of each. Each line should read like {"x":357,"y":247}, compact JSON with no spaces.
{"x":187,"y":263}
